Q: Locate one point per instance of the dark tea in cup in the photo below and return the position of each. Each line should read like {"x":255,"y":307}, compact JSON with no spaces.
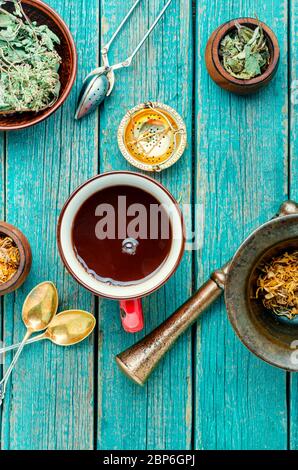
{"x":120,"y":235}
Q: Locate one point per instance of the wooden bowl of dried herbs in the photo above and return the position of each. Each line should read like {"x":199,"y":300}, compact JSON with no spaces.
{"x":38,"y":63}
{"x":15,"y":258}
{"x":242,"y":55}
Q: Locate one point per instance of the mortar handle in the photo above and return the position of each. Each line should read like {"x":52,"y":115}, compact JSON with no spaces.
{"x":139,"y":361}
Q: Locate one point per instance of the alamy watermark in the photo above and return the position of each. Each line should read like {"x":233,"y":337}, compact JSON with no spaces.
{"x":138,"y":222}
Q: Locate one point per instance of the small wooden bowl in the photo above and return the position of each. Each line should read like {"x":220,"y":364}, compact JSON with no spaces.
{"x":43,"y":14}
{"x":25,"y":258}
{"x":222,"y":77}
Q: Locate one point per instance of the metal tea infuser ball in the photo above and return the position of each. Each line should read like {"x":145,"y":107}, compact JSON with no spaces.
{"x":100,"y":82}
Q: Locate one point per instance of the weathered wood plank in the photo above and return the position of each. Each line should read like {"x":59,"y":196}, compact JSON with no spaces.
{"x":159,"y":415}
{"x":293,"y":101}
{"x":241,"y":180}
{"x":49,"y":404}
{"x":241,"y":177}
{"x":2,"y":212}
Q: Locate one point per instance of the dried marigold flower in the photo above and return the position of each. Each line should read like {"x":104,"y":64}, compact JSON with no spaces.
{"x":277,"y":285}
{"x":9,"y":259}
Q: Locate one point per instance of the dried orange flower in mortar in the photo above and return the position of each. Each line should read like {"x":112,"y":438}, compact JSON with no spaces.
{"x":9,"y":259}
{"x":278,"y":285}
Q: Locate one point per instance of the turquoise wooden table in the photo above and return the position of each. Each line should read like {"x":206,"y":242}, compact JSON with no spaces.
{"x":240,"y":164}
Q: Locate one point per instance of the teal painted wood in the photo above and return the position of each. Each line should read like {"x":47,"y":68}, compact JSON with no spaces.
{"x":293,"y":102}
{"x":49,"y":403}
{"x":2,"y":179}
{"x":241,"y":176}
{"x":159,"y":415}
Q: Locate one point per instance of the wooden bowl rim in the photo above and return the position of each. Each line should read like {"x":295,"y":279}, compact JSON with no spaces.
{"x":223,"y":30}
{"x":20,"y":240}
{"x":51,"y":13}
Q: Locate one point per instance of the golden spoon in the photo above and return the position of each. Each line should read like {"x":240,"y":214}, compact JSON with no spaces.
{"x":39,"y":308}
{"x":66,"y":329}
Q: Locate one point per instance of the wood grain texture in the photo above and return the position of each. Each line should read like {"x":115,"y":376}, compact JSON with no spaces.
{"x":49,"y":403}
{"x":293,"y":146}
{"x":241,"y":176}
{"x":159,"y":415}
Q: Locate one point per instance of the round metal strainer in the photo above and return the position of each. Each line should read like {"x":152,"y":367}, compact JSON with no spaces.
{"x":152,"y":136}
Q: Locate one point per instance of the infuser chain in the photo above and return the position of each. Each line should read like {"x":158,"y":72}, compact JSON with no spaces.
{"x":128,"y":61}
{"x":95,"y":91}
{"x":105,"y":49}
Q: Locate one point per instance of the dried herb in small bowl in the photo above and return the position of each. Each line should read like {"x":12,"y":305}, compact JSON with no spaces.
{"x":29,"y":63}
{"x":9,"y":259}
{"x":244,"y":52}
{"x":278,"y":285}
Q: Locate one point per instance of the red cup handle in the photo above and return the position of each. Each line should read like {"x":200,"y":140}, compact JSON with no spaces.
{"x":132,"y":315}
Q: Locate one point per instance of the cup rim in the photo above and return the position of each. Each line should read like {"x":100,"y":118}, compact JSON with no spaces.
{"x":74,"y":274}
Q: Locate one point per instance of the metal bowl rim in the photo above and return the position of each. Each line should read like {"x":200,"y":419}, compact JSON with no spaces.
{"x":241,"y":282}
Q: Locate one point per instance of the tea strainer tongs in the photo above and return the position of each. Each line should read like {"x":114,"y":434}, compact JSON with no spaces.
{"x":100,"y":82}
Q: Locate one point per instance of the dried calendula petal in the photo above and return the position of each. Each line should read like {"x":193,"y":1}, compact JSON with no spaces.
{"x":245,"y":53}
{"x":9,"y":259}
{"x":278,"y":285}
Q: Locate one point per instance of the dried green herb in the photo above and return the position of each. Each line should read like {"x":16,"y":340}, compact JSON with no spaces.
{"x":245,"y":52}
{"x":29,"y":63}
